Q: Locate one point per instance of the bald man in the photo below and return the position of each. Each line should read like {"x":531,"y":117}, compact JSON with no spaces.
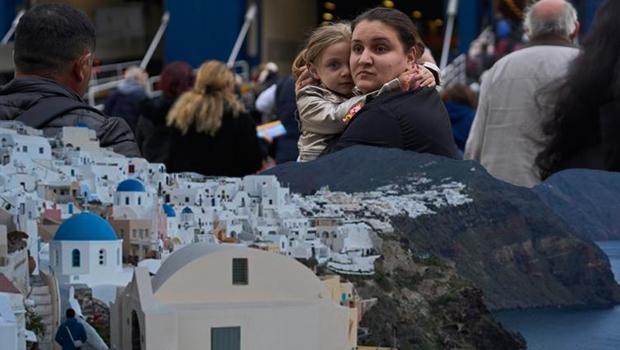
{"x":506,"y":135}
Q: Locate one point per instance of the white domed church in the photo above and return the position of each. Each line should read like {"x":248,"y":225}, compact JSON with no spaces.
{"x":132,"y":201}
{"x":86,"y":249}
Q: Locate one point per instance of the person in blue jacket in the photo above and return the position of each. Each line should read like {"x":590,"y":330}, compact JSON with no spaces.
{"x":69,"y":331}
{"x":460,"y":102}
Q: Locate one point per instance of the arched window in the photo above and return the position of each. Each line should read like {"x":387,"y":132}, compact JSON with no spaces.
{"x":102,"y":256}
{"x":126,"y":200}
{"x":139,"y":200}
{"x":75,"y":258}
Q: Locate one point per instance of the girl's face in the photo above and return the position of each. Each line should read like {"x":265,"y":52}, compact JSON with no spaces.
{"x":377,"y":55}
{"x":332,"y":69}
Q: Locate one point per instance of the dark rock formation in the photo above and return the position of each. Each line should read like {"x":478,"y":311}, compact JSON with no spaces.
{"x":507,"y":242}
{"x":424,"y":304}
{"x":587,"y":200}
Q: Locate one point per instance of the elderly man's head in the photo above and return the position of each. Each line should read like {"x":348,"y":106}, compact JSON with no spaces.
{"x":55,"y":41}
{"x":551,"y":18}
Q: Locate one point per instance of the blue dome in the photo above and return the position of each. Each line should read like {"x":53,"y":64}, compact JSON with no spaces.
{"x":85,"y":227}
{"x":130,"y":185}
{"x":169,"y":210}
{"x":187,"y":210}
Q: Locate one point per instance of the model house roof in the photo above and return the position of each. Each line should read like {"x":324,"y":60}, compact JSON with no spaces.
{"x":187,"y":210}
{"x":85,"y":227}
{"x":130,"y":185}
{"x":184,"y":256}
{"x":7,"y":286}
{"x":169,"y":210}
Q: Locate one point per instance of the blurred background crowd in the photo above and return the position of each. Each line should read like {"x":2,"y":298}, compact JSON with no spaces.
{"x":149,"y":53}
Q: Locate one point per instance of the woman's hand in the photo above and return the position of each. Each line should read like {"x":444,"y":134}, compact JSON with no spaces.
{"x":305,"y":79}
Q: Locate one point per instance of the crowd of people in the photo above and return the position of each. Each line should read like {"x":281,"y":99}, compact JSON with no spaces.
{"x":542,"y":107}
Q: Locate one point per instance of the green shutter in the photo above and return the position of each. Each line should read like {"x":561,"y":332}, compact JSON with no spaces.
{"x":226,"y":338}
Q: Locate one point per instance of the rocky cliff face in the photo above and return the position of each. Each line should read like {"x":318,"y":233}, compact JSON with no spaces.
{"x":506,"y":241}
{"x":424,"y":304}
{"x":587,"y":200}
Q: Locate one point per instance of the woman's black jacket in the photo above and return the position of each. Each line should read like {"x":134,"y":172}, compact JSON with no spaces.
{"x":415,"y":121}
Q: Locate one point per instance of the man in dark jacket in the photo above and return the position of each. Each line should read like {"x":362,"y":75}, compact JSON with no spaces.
{"x":53,"y":55}
{"x":69,"y":331}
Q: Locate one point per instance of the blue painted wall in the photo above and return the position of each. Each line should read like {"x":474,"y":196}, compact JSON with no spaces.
{"x":468,"y":22}
{"x":200,"y":30}
{"x":589,"y":12}
{"x":7,"y":14}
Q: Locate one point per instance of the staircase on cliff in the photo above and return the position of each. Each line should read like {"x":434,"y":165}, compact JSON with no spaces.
{"x":42,"y":298}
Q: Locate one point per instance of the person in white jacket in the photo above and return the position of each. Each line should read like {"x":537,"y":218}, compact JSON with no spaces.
{"x":506,"y":135}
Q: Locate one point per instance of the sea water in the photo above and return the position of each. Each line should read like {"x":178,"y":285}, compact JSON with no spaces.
{"x":570,"y":329}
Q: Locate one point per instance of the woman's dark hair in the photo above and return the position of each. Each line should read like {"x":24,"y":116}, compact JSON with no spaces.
{"x":176,"y":78}
{"x":400,"y":22}
{"x":50,"y":36}
{"x":593,"y":79}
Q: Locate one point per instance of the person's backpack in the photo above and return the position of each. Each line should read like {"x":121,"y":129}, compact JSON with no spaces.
{"x":77,"y":343}
{"x":48,"y":108}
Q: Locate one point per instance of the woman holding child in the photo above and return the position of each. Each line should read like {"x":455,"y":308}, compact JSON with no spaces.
{"x":391,"y":108}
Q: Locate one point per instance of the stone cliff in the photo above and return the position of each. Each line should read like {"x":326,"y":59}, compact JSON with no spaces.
{"x":507,"y":249}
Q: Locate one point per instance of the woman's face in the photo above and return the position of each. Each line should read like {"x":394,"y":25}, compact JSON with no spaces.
{"x":377,"y":55}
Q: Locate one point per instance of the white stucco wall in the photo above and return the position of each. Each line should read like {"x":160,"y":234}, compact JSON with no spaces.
{"x":269,"y":326}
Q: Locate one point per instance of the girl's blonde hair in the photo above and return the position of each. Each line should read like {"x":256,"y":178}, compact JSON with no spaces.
{"x":204,"y":105}
{"x":318,"y":41}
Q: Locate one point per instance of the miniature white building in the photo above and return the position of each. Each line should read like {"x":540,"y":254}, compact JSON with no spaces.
{"x":230,"y":297}
{"x":24,"y":147}
{"x":171,"y":219}
{"x":86,"y":249}
{"x":12,"y":299}
{"x":132,"y":201}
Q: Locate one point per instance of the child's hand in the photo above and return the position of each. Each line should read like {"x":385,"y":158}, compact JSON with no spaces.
{"x":423,"y":77}
{"x":416,"y":77}
{"x":305,"y":79}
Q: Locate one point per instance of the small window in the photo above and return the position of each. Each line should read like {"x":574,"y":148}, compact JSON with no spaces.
{"x":240,"y":271}
{"x":24,"y":148}
{"x":101,"y":256}
{"x":41,"y":150}
{"x":126,"y":200}
{"x":139,"y":200}
{"x":75,"y":258}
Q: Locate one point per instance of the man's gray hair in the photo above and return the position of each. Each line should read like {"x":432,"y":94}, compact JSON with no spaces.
{"x":564,"y":24}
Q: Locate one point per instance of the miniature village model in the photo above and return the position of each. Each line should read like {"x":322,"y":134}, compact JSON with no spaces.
{"x":181,"y":261}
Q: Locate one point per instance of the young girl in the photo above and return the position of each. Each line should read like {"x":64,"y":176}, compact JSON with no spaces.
{"x":325,"y":109}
